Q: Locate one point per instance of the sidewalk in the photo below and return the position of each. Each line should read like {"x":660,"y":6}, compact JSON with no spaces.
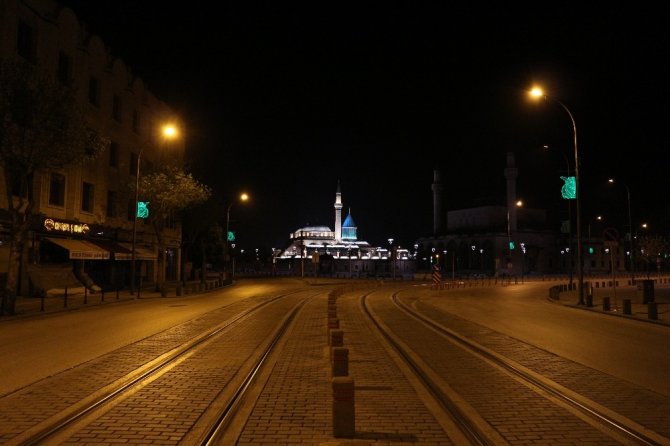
{"x":614,"y":300}
{"x":32,"y":306}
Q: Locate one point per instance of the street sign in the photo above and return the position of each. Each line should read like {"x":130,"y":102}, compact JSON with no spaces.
{"x":610,"y":234}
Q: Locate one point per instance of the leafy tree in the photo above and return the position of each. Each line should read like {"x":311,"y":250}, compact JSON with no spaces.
{"x":169,"y":191}
{"x":201,"y":229}
{"x":41,"y":128}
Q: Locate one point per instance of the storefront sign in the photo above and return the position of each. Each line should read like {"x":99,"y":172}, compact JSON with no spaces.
{"x":52,"y":225}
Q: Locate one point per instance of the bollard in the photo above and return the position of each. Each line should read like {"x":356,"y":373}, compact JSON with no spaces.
{"x":333,"y":324}
{"x":65,"y":299}
{"x":179,"y":289}
{"x":102,"y":295}
{"x":85,"y":295}
{"x":164,"y":290}
{"x":652,"y":310}
{"x":606,"y":303}
{"x":344,"y":416}
{"x":336,"y":338}
{"x":627,"y":307}
{"x":340,"y":361}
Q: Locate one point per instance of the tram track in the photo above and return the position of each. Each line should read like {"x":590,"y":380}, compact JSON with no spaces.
{"x":63,"y":427}
{"x":453,"y":398}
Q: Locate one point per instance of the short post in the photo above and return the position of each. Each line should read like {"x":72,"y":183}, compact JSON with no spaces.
{"x":117,"y":291}
{"x":164,"y":290}
{"x":340,"y":363}
{"x":344,"y":416}
{"x":102,"y":295}
{"x":336,"y":338}
{"x":85,"y":294}
{"x":333,"y":324}
{"x":627,"y":307}
{"x":606,"y":303}
{"x":652,"y":310}
{"x":65,"y":299}
{"x":178,"y":288}
{"x":589,"y":294}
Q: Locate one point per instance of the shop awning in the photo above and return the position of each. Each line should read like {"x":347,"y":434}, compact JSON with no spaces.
{"x":119,"y":252}
{"x":141,"y":253}
{"x":81,"y":249}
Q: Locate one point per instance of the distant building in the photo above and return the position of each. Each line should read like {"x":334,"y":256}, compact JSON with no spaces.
{"x":339,"y":252}
{"x":507,"y":239}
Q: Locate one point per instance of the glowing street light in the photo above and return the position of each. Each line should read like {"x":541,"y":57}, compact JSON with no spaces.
{"x":168,"y":131}
{"x":538,"y":93}
{"x":230,"y":237}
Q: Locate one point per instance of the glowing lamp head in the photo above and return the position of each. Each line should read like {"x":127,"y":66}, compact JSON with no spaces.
{"x":536,"y":93}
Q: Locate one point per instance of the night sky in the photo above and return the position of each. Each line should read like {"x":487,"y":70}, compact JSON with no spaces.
{"x":283,"y":99}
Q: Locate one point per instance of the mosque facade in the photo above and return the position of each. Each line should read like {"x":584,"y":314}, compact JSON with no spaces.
{"x":339,"y":252}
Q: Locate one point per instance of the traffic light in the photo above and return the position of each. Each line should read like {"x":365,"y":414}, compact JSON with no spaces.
{"x":591,"y":250}
{"x":511,"y":246}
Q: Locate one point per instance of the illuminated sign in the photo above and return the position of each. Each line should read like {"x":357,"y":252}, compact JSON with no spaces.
{"x":569,"y":188}
{"x":142,"y":209}
{"x":52,"y":225}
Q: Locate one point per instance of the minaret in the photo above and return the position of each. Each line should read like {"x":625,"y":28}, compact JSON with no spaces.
{"x":511,"y":172}
{"x":338,"y":214}
{"x":438,"y":227}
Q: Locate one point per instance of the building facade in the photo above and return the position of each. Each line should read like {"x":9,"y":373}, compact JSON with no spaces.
{"x":85,"y":213}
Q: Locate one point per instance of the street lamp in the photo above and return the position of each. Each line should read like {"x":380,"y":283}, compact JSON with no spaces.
{"x":630,"y":227}
{"x":537,"y":93}
{"x":229,"y":237}
{"x":391,"y":256}
{"x":168,"y":131}
{"x":569,"y":250}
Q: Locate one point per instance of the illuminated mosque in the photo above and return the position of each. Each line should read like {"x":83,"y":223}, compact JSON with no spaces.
{"x":340,"y":251}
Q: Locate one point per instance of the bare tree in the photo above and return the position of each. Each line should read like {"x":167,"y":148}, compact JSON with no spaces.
{"x":41,"y":128}
{"x":651,"y":249}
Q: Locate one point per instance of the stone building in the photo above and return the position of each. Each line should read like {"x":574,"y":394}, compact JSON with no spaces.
{"x":86,"y":212}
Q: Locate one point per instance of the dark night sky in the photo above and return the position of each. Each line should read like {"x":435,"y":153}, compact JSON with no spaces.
{"x":284,"y":99}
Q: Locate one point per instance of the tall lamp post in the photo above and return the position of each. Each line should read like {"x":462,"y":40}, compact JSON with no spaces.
{"x":537,"y":93}
{"x":168,"y":131}
{"x":632,"y":239}
{"x":391,"y":256}
{"x":567,"y":167}
{"x":243,"y":197}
